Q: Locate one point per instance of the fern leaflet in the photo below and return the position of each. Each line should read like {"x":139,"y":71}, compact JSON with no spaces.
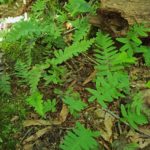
{"x":132,"y":111}
{"x":80,"y":139}
{"x":5,"y":87}
{"x":41,"y":106}
{"x":74,"y":50}
{"x":109,"y":88}
{"x":106,"y":55}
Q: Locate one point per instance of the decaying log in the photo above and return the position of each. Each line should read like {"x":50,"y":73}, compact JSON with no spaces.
{"x":115,"y":16}
{"x":131,"y":10}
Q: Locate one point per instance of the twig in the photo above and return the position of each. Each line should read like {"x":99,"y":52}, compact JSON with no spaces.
{"x":69,"y":31}
{"x":26,"y":134}
{"x":92,"y":60}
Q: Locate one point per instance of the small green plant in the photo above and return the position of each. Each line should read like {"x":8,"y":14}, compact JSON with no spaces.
{"x":74,"y":50}
{"x":76,"y":7}
{"x":109,"y":88}
{"x":73,"y":101}
{"x":41,"y":106}
{"x":5,"y":87}
{"x":80,"y":139}
{"x":132,"y":42}
{"x":132,"y":112}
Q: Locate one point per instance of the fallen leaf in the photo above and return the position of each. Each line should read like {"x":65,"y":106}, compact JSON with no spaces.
{"x":89,"y":78}
{"x":37,"y":135}
{"x":136,"y":138}
{"x":28,"y":147}
{"x":28,"y":123}
{"x":15,"y":118}
{"x":64,"y":113}
{"x":106,"y":133}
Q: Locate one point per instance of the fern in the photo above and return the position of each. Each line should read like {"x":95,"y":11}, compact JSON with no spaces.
{"x":41,"y":106}
{"x":132,"y":111}
{"x":74,"y":102}
{"x":5,"y":87}
{"x":80,"y":139}
{"x":30,"y":76}
{"x":55,"y":75}
{"x":106,"y":54}
{"x":23,"y":29}
{"x":38,"y":8}
{"x":75,"y":7}
{"x":146,"y":54}
{"x":21,"y":71}
{"x":74,"y":50}
{"x":132,"y":42}
{"x":109,"y":88}
{"x":82,"y":29}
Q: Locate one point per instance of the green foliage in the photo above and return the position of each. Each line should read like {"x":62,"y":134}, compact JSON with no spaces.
{"x":55,"y":75}
{"x":21,"y":71}
{"x":73,"y":101}
{"x":82,"y":29}
{"x":5,"y":87}
{"x":80,"y":138}
{"x":146,"y":54}
{"x":132,"y":112}
{"x":41,"y":106}
{"x":6,"y":1}
{"x":108,"y":58}
{"x":109,"y":88}
{"x":74,"y":50}
{"x":131,"y":146}
{"x":148,"y":84}
{"x":29,"y":76}
{"x":132,"y":42}
{"x":23,"y":29}
{"x":75,"y":7}
{"x":38,"y":8}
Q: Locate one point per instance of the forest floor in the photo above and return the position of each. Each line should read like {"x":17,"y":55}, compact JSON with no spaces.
{"x":23,"y":129}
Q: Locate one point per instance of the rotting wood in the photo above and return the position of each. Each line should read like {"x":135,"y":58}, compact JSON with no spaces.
{"x":115,"y":16}
{"x":131,"y":10}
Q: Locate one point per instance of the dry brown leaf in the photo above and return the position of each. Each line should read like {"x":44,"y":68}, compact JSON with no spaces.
{"x":107,"y":132}
{"x":15,"y":118}
{"x":89,"y":78}
{"x":136,"y":138}
{"x":37,"y":135}
{"x":28,"y":123}
{"x":28,"y":147}
{"x":64,"y":113}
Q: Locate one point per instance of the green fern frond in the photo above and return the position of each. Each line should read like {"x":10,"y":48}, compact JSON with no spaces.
{"x":23,"y":29}
{"x":80,"y":139}
{"x":82,"y":29}
{"x":73,"y":101}
{"x":34,"y":77}
{"x":5,"y":87}
{"x":74,"y":50}
{"x":132,"y":42}
{"x":55,"y":75}
{"x":75,"y":7}
{"x":105,"y":54}
{"x":22,"y":71}
{"x":38,"y":8}
{"x":146,"y":54}
{"x":30,"y":76}
{"x":131,"y":112}
{"x":109,"y":88}
{"x":41,"y":106}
